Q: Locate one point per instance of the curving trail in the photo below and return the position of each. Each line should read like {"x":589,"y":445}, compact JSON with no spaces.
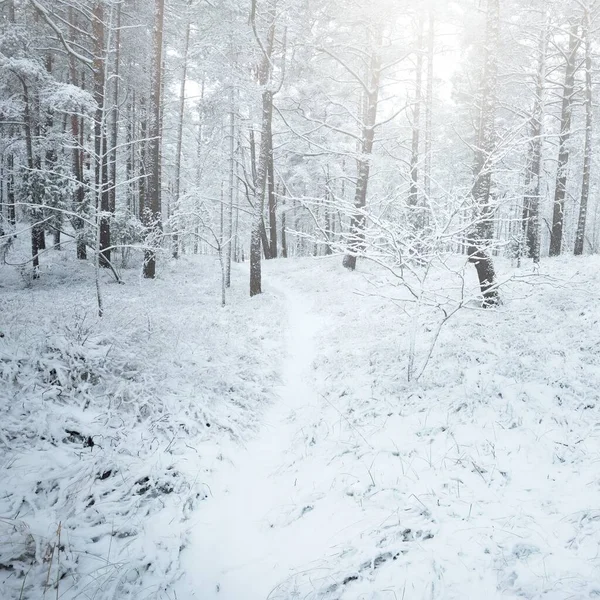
{"x":250,"y":536}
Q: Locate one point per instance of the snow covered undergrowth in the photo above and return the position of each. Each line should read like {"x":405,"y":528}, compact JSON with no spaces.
{"x":479,"y":480}
{"x":186,"y":454}
{"x":111,"y":429}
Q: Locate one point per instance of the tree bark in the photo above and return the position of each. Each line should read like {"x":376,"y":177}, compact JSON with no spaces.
{"x":154,"y":145}
{"x":272,"y":206}
{"x":232,"y":184}
{"x":100,"y":139}
{"x":531,"y":201}
{"x":77,"y":126}
{"x":589,"y":122}
{"x":429,"y":106}
{"x":36,"y":227}
{"x":482,"y":234}
{"x":260,"y":186}
{"x":143,"y":162}
{"x":178,"y":152}
{"x":563,"y":141}
{"x":114,"y":138}
{"x":358,"y":217}
{"x":413,"y":194}
{"x":10,"y":189}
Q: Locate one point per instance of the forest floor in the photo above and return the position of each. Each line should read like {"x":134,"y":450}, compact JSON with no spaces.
{"x":479,"y":480}
{"x":276,"y":449}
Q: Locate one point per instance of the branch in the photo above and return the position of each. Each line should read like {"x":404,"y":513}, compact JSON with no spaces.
{"x":44,"y":13}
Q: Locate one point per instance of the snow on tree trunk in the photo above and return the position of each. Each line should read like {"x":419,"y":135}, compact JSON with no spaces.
{"x":531,"y":201}
{"x":178,"y":152}
{"x":258,"y":234}
{"x":358,"y":217}
{"x":560,"y":191}
{"x":589,"y":121}
{"x":153,"y":208}
{"x":481,"y":236}
{"x":100,"y":138}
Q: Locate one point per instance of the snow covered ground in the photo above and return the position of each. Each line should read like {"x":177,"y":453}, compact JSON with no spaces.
{"x":275,"y":449}
{"x":112,"y":429}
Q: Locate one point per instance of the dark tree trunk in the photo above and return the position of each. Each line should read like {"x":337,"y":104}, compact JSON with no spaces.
{"x":154,"y":145}
{"x":10,"y":189}
{"x":563,"y":141}
{"x":36,"y":214}
{"x":56,"y":214}
{"x":260,"y":185}
{"x":358,"y":217}
{"x":482,"y":233}
{"x":100,"y":141}
{"x":284,"y":249}
{"x":77,"y":131}
{"x":114,"y":137}
{"x":531,"y":201}
{"x":78,"y":223}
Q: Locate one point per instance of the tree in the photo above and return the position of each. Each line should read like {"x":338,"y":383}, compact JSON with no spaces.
{"x":181,"y":116}
{"x":153,"y":206}
{"x":531,"y":201}
{"x":369,"y":121}
{"x":589,"y":122}
{"x":482,"y":233}
{"x":265,"y":80}
{"x":563,"y":141}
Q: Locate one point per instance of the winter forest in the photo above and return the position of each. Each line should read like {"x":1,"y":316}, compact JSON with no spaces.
{"x":299,"y":299}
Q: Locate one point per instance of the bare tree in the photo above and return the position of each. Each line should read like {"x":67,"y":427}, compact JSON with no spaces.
{"x":563,"y":141}
{"x":589,"y":123}
{"x":482,"y":233}
{"x":369,"y":121}
{"x":153,"y":206}
{"x":531,"y":201}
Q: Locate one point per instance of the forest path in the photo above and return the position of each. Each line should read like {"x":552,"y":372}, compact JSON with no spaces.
{"x":250,"y":535}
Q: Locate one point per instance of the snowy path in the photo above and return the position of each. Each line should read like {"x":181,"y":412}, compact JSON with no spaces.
{"x":249,"y":539}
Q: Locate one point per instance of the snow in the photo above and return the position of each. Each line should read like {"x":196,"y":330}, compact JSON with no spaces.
{"x":477,"y":481}
{"x":325,"y":473}
{"x":111,"y":428}
{"x":241,"y":536}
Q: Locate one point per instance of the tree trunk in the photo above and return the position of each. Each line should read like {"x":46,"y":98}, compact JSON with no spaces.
{"x":154,"y":145}
{"x":358,"y":217}
{"x":264,"y":79}
{"x":563,"y":141}
{"x":177,"y":191}
{"x":531,"y":201}
{"x":10,"y":189}
{"x":232,"y":184}
{"x":130,"y":163}
{"x":284,"y":248}
{"x":36,"y":228}
{"x":100,"y":141}
{"x":429,"y":106}
{"x":482,"y":234}
{"x":272,"y":208}
{"x":114,"y":138}
{"x":413,"y":194}
{"x":77,"y":126}
{"x":589,"y":121}
{"x":143,"y":163}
